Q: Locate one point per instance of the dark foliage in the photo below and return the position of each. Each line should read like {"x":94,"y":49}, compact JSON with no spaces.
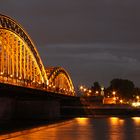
{"x":125,"y":88}
{"x":96,"y":86}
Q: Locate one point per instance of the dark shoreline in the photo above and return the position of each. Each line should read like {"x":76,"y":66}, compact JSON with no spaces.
{"x":21,"y":125}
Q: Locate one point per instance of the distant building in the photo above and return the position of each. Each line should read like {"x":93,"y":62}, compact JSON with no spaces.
{"x":109,"y":100}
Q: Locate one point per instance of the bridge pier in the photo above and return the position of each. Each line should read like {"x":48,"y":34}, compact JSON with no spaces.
{"x":11,"y":108}
{"x":7,"y":108}
{"x":37,"y":109}
{"x":25,"y":103}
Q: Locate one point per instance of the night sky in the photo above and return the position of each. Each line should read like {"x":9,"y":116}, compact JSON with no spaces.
{"x":94,"y":40}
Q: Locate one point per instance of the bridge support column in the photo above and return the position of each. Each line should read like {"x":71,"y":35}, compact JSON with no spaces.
{"x":17,"y":103}
{"x":7,"y":108}
{"x":35,"y":109}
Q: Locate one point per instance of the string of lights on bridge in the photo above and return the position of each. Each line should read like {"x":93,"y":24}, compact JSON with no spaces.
{"x":21,"y":65}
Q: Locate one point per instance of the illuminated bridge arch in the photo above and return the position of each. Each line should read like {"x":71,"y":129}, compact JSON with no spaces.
{"x":60,"y":80}
{"x":20,"y":63}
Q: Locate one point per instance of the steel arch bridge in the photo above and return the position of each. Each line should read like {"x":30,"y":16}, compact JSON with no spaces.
{"x":60,"y":80}
{"x":20,"y":63}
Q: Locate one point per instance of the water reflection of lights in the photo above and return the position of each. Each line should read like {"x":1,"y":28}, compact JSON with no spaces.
{"x":116,"y":127}
{"x":82,"y":121}
{"x":116,"y":121}
{"x":136,"y":120}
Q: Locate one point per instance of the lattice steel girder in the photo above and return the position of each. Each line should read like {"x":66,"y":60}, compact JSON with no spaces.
{"x":61,"y":79}
{"x":20,"y":37}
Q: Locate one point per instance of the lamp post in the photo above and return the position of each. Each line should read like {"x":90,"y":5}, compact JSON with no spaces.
{"x":137,"y":97}
{"x":102,"y":91}
{"x":96,"y":93}
{"x":114,"y":96}
{"x":114,"y":93}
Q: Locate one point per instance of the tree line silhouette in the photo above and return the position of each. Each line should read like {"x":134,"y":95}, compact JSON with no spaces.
{"x":124,"y":88}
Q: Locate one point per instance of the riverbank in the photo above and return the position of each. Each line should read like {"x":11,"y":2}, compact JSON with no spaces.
{"x":103,"y":128}
{"x":67,"y":114}
{"x":15,"y":126}
{"x":69,"y":108}
{"x":100,"y":110}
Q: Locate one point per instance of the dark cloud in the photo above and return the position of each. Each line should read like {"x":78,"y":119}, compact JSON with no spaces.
{"x":90,"y":62}
{"x":95,"y":40}
{"x":80,"y":21}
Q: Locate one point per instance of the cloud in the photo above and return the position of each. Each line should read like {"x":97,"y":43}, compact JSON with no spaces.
{"x":95,"y":40}
{"x":87,"y":63}
{"x":70,"y":21}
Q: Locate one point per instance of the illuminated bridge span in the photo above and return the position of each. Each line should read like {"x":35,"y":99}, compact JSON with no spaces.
{"x":60,"y":80}
{"x":20,"y":63}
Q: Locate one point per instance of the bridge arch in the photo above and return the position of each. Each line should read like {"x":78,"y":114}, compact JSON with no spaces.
{"x":60,"y":80}
{"x":20,"y":63}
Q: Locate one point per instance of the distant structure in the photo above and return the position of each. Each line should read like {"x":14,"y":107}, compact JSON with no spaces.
{"x":21,"y":65}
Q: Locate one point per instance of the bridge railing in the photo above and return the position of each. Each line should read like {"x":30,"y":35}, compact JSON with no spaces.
{"x":34,"y":85}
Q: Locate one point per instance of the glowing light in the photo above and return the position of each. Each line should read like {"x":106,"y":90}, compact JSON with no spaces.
{"x":81,"y":87}
{"x":121,"y":101}
{"x":85,"y":89}
{"x":114,"y":98}
{"x":97,"y":92}
{"x":137,"y":97}
{"x":1,"y":73}
{"x":102,"y":88}
{"x":47,"y":82}
{"x":116,"y":121}
{"x":113,"y":92}
{"x":89,"y":91}
{"x":19,"y":78}
{"x":136,"y":104}
{"x":136,"y":120}
{"x":82,"y":121}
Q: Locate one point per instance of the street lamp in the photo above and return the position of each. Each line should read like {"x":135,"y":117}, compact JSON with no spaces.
{"x":102,"y":91}
{"x":1,"y":73}
{"x":137,"y":97}
{"x":90,"y":91}
{"x":121,"y":101}
{"x":114,"y":93}
{"x":85,"y":89}
{"x":96,"y":93}
{"x":81,"y":87}
{"x":114,"y":97}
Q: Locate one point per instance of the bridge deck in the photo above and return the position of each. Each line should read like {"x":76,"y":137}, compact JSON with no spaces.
{"x":7,"y":90}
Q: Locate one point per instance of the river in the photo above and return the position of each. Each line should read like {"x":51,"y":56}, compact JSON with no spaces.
{"x":98,"y":128}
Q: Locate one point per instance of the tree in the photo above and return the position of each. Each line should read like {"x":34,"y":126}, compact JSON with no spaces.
{"x":136,"y":91}
{"x":125,"y":88}
{"x":96,"y":86}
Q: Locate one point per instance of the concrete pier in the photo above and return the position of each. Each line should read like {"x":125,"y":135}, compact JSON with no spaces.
{"x":24,"y":103}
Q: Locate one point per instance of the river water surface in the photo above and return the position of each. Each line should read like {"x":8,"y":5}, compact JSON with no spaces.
{"x":102,"y":128}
